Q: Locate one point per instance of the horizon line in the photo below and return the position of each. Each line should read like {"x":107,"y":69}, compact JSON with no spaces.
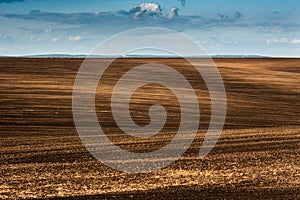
{"x":58,"y":55}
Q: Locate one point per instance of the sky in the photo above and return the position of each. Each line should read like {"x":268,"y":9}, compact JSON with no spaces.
{"x":227,"y":27}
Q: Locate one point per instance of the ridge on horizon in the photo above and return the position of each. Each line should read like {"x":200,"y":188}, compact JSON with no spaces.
{"x":138,"y":56}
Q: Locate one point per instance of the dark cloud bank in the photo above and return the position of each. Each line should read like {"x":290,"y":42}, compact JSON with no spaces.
{"x":10,"y":1}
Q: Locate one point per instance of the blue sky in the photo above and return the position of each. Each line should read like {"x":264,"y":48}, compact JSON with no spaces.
{"x":264,"y":27}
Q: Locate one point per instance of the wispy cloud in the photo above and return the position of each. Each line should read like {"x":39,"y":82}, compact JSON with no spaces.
{"x":282,"y":41}
{"x":55,"y":39}
{"x":75,"y":38}
{"x":277,"y":41}
{"x":295,"y":41}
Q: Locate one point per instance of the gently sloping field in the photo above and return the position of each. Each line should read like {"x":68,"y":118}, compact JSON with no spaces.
{"x":257,"y":154}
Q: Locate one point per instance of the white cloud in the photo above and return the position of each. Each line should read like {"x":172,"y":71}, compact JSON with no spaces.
{"x":146,"y":9}
{"x":75,"y":38}
{"x":34,"y":38}
{"x":54,"y":39}
{"x":282,"y":41}
{"x":277,"y":41}
{"x":173,"y":13}
{"x":295,"y":41}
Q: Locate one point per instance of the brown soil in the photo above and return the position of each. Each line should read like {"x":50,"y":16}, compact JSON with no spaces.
{"x":257,"y":155}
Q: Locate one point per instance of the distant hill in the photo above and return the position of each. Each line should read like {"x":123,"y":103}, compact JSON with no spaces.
{"x":240,"y":56}
{"x":132,"y":56}
{"x":55,"y":56}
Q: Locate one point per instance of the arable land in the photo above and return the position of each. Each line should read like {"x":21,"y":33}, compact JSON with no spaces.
{"x":257,"y":155}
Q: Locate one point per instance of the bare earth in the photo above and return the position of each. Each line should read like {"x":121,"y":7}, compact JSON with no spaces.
{"x":257,"y":155}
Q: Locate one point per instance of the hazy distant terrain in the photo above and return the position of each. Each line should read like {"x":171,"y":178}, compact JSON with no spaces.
{"x":129,"y":56}
{"x":257,"y":155}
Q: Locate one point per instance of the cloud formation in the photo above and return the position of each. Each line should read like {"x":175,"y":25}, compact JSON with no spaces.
{"x":144,"y":14}
{"x":282,"y":41}
{"x":145,"y":10}
{"x":277,"y":41}
{"x":295,"y":41}
{"x":152,"y":14}
{"x":174,"y":12}
{"x":54,"y":39}
{"x":75,"y":38}
{"x":10,"y":1}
